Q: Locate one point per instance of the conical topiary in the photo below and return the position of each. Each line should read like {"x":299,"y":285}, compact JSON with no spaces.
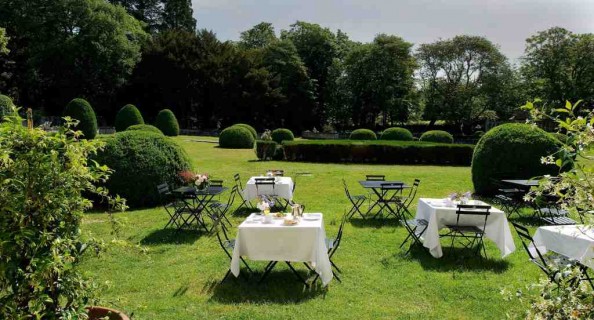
{"x":82,"y":111}
{"x":129,"y":115}
{"x":167,"y":123}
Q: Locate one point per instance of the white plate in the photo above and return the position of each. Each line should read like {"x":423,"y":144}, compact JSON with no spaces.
{"x":312,"y":216}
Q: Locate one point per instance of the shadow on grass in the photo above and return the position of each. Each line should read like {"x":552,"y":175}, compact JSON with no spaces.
{"x":374,"y":223}
{"x":244,"y":212}
{"x":280,"y":287}
{"x":456,"y":260}
{"x":171,"y":236}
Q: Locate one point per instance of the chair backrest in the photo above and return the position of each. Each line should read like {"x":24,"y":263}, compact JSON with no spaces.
{"x":526,"y":241}
{"x":216,"y":183}
{"x":472,"y":210}
{"x":392,"y":186}
{"x":234,"y":192}
{"x":413,"y":192}
{"x":346,"y":190}
{"x":375,"y":177}
{"x":339,"y":234}
{"x":163,"y":188}
{"x":237,"y":179}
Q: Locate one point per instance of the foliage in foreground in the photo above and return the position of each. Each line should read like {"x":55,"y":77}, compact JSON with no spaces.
{"x":45,"y":177}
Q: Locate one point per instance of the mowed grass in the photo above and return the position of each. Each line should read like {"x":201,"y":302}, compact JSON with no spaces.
{"x":178,"y":276}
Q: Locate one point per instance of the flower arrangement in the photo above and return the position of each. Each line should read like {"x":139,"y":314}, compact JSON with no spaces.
{"x":461,"y":197}
{"x":200,"y":180}
{"x":265,"y":204}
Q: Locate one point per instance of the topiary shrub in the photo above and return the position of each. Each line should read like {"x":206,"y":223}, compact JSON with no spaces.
{"x":265,"y":150}
{"x":6,"y":105}
{"x":167,"y":123}
{"x":511,"y":151}
{"x":437,"y":136}
{"x":141,"y":160}
{"x":281,"y":134}
{"x":82,"y":111}
{"x":129,"y":115}
{"x":236,"y":137}
{"x":396,"y":133}
{"x":250,"y":128}
{"x":363,"y":134}
{"x":144,"y":127}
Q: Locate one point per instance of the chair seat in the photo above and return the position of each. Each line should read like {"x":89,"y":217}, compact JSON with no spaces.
{"x":554,"y":212}
{"x":465,"y":229}
{"x":560,"y":220}
{"x":417,"y":222}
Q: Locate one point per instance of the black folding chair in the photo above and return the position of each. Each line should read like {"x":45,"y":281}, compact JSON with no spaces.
{"x":551,"y":263}
{"x":470,"y":233}
{"x":386,"y":201}
{"x":332,"y":245}
{"x":221,"y":209}
{"x":216,"y":183}
{"x":244,"y":202}
{"x":550,"y":212}
{"x":356,"y":200}
{"x":266,"y":183}
{"x":226,"y":243}
{"x":415,"y":229}
{"x":174,"y":207}
{"x":509,"y":204}
{"x":405,"y":202}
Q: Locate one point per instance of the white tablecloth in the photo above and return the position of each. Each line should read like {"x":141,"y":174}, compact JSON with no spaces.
{"x":574,"y":242}
{"x":304,"y":242}
{"x":283,"y":187}
{"x":438,"y":215}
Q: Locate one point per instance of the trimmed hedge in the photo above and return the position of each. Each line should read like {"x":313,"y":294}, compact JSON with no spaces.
{"x":387,"y":152}
{"x":82,"y":111}
{"x":167,"y":123}
{"x":396,"y":133}
{"x":142,"y":160}
{"x":437,"y":136}
{"x":236,"y":137}
{"x":363,"y":134}
{"x":265,"y":150}
{"x":5,"y":105}
{"x":144,"y":127}
{"x":250,"y":128}
{"x":129,"y":115}
{"x":511,"y":151}
{"x":281,"y":134}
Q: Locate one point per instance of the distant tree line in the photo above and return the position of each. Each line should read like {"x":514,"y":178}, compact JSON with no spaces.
{"x":149,"y":53}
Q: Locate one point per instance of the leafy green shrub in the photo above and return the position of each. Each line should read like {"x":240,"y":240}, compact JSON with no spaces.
{"x":250,"y":129}
{"x":265,"y":150}
{"x":141,"y":160}
{"x":282,"y":134}
{"x":82,"y":111}
{"x":167,"y":123}
{"x":144,"y":127}
{"x":561,"y":137}
{"x":5,"y":105}
{"x":387,"y":152}
{"x":396,"y":133}
{"x":437,"y":136}
{"x":511,"y":151}
{"x":363,"y":134}
{"x":129,"y":115}
{"x":43,"y":201}
{"x":236,"y":137}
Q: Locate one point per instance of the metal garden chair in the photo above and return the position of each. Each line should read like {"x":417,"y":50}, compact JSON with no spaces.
{"x":332,"y":245}
{"x":221,"y":209}
{"x":415,"y":229}
{"x":244,"y":202}
{"x":471,"y":234}
{"x":173,"y":206}
{"x":356,"y":201}
{"x":393,"y":203}
{"x":226,"y":243}
{"x":550,"y":212}
{"x":405,"y":202}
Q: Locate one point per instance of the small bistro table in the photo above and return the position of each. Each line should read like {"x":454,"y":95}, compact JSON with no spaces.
{"x":196,"y":203}
{"x":276,"y":242}
{"x":525,"y":184}
{"x":383,"y":195}
{"x":283,"y":188}
{"x":438,"y":214}
{"x":572,"y":241}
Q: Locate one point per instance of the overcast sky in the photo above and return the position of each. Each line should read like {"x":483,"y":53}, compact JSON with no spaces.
{"x":505,"y":22}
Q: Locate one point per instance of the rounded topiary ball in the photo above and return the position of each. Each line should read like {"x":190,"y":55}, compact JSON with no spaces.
{"x":250,"y":128}
{"x":363,"y":134}
{"x":511,"y":151}
{"x":141,"y":160}
{"x":144,"y":127}
{"x":6,"y":105}
{"x":396,"y":133}
{"x":82,"y":111}
{"x":129,"y":115}
{"x":167,"y":123}
{"x":437,"y":136}
{"x":236,"y":137}
{"x":282,"y":134}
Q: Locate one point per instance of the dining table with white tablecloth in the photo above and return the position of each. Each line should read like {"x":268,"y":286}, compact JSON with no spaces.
{"x":275,"y":241}
{"x":575,"y":242}
{"x":440,"y":212}
{"x":283,"y":188}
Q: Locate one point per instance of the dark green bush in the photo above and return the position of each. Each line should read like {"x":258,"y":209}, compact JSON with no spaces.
{"x":144,"y":127}
{"x":282,"y":134}
{"x":142,"y":160}
{"x":387,"y":152}
{"x":363,"y":134}
{"x":236,"y":137}
{"x":396,"y":133}
{"x":437,"y":136}
{"x":167,"y":123}
{"x":250,"y":128}
{"x":279,"y":153}
{"x":560,"y":136}
{"x":265,"y":150}
{"x":129,"y":115}
{"x":5,"y":105}
{"x":511,"y":151}
{"x":82,"y":111}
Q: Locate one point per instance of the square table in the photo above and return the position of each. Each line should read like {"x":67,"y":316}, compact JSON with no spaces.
{"x":304,"y":242}
{"x":382,"y":195}
{"x":523,"y":183}
{"x":283,"y":188}
{"x":572,"y":241}
{"x":196,"y":201}
{"x":439,"y":214}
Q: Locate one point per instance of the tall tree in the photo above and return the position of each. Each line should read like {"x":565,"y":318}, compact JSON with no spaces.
{"x":148,"y":11}
{"x":558,"y":66}
{"x":259,"y":36}
{"x":177,"y":14}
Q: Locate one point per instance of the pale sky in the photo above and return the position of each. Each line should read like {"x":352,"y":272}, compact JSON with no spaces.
{"x":507,"y":23}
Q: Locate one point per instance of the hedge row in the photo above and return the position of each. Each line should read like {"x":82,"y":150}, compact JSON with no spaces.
{"x":388,"y":152}
{"x":269,"y":150}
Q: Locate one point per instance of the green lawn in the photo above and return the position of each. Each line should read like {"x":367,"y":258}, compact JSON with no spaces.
{"x":178,"y":276}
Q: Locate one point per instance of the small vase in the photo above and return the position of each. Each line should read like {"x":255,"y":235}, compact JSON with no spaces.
{"x":202,"y":186}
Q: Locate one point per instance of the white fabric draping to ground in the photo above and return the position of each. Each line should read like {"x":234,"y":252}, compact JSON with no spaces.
{"x":574,"y":242}
{"x":283,"y":188}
